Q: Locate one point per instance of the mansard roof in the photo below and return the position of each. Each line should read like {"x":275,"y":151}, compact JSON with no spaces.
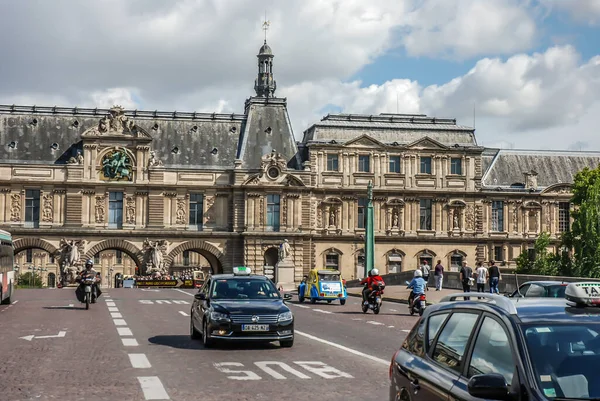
{"x":508,"y":167}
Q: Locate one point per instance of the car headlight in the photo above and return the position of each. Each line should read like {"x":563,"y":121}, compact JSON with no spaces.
{"x":285,"y":316}
{"x":219,"y":316}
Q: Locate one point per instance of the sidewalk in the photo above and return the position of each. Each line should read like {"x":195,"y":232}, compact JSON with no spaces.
{"x":399,"y":294}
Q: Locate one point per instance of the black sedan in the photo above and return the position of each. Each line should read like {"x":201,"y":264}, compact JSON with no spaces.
{"x":234,"y":307}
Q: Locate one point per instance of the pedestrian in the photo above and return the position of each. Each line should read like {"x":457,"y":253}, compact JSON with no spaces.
{"x":481,"y":275}
{"x":495,"y":277}
{"x":466,"y":277}
{"x":438,"y":274}
{"x":425,"y":269}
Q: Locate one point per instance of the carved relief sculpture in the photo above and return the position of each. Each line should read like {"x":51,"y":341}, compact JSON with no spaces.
{"x":470,"y":218}
{"x":100,"y":208}
{"x":547,"y":217}
{"x":456,"y":220}
{"x":320,"y":212}
{"x":332,"y":217}
{"x":285,"y":251}
{"x":450,"y":217}
{"x":153,"y":161}
{"x":210,"y":201}
{"x":130,"y":210}
{"x":47,"y":208}
{"x":180,"y":212}
{"x":155,"y":257}
{"x":15,"y":208}
{"x":69,"y":257}
{"x":77,"y":159}
{"x":515,"y":219}
{"x":117,"y":165}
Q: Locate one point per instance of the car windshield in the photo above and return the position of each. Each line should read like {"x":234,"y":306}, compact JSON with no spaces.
{"x":329,"y":277}
{"x":565,"y":358}
{"x":243,"y":289}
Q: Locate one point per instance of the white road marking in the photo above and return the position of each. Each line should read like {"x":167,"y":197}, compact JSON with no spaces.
{"x":390,"y":327}
{"x":124,"y":331}
{"x":393,"y":310}
{"x":161,"y":301}
{"x":356,"y":319}
{"x":247,"y":374}
{"x":323,"y":370}
{"x":139,"y":361}
{"x":264,"y":365}
{"x":147,"y":290}
{"x":349,"y":350}
{"x":116,"y":315}
{"x":185,"y":292}
{"x":129,"y":342}
{"x":14,"y":302}
{"x":153,"y":388}
{"x":146,"y":301}
{"x":301,"y":306}
{"x":119,"y":322}
{"x":183,"y":313}
{"x":375,"y":323}
{"x":322,"y":311}
{"x":110,"y":304}
{"x":406,"y":331}
{"x":113,"y":309}
{"x":180,"y":302}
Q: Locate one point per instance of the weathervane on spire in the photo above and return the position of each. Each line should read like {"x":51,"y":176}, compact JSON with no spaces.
{"x":265,"y":26}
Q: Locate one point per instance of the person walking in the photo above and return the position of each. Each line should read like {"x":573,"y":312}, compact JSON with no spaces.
{"x":466,"y":276}
{"x":481,"y":275}
{"x":495,"y":277}
{"x":425,"y":269}
{"x":438,"y":274}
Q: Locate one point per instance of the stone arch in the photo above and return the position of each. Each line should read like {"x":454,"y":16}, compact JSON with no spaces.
{"x":214,"y":256}
{"x":458,"y":253}
{"x":34,"y":242}
{"x":134,"y":252}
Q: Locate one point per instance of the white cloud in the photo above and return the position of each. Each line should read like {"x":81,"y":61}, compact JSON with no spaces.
{"x":466,"y":28}
{"x":123,"y":97}
{"x":586,"y":11}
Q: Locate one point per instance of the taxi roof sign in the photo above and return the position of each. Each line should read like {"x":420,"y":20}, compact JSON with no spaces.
{"x":584,"y":293}
{"x":241,"y":271}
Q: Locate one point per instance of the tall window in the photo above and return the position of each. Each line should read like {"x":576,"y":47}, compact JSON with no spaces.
{"x":97,"y":258}
{"x":394,"y":262}
{"x":456,"y":166}
{"x":32,"y":208}
{"x":425,"y":214}
{"x":186,"y":258}
{"x":332,"y":163}
{"x":362,"y":212}
{"x":273,"y":206}
{"x":499,"y":253}
{"x":498,"y":216}
{"x":425,"y":165}
{"x":364,"y":163}
{"x":564,"y":217}
{"x":29,"y":256}
{"x":115,"y":209}
{"x":360,"y":261}
{"x":332,"y":261}
{"x":119,"y":257}
{"x":196,"y":206}
{"x":394,"y":164}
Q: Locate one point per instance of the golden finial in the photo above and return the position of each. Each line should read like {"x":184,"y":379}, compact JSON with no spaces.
{"x":265,"y":26}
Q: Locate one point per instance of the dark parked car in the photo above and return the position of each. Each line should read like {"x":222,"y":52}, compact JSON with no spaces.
{"x":241,"y":306}
{"x":541,"y":289}
{"x":499,"y":348}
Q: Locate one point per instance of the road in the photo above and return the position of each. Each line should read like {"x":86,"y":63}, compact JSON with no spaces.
{"x":134,"y":345}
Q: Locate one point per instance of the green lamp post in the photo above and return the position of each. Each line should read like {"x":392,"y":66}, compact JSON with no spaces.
{"x":370,"y":233}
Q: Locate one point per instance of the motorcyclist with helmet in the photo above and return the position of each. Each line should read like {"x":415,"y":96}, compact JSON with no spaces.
{"x":372,"y":281}
{"x":418,"y":287}
{"x":89,"y":271}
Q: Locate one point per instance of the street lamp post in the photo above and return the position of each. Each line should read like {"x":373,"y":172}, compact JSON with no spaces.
{"x":369,"y":233}
{"x":31,"y":275}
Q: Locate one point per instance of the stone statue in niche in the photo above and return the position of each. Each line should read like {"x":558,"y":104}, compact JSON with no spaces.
{"x":285,"y":251}
{"x":70,"y":259}
{"x":155,"y":263}
{"x":332,"y":222}
{"x":395,"y":218}
{"x":456,"y":220}
{"x":78,"y":159}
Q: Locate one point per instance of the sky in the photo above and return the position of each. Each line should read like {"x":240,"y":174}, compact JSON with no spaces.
{"x":524,"y":73}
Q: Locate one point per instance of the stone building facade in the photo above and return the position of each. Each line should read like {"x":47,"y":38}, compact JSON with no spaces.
{"x":142,"y":190}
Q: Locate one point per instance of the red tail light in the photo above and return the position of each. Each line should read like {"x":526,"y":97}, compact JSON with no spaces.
{"x":422,"y":298}
{"x":322,"y":294}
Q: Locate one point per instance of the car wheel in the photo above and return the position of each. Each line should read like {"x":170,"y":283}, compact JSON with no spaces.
{"x":300,"y":299}
{"x":193,"y":332}
{"x":206,"y":340}
{"x":287,"y":343}
{"x":376,"y":310}
{"x":313,"y":300}
{"x":329,"y":301}
{"x":342,"y":302}
{"x":365,"y":308}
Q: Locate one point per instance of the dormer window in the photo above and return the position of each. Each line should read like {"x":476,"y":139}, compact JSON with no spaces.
{"x":425,"y":165}
{"x":364,"y":163}
{"x":456,"y":166}
{"x":332,"y":163}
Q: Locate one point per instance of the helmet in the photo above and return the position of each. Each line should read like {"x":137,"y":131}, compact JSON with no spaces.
{"x":374,"y":272}
{"x":89,"y":263}
{"x":418,"y":273}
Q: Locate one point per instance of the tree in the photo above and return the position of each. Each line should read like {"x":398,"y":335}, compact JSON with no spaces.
{"x":584,"y":236}
{"x":29,"y":280}
{"x":542,"y":263}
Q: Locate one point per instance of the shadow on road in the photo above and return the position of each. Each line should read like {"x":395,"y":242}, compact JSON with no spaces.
{"x":65,"y":307}
{"x":380,"y":313}
{"x":185,"y":342}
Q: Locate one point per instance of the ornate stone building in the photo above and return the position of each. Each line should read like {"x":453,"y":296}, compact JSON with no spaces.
{"x":152,"y":191}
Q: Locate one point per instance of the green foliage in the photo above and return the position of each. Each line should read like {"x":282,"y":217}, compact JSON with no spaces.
{"x":543,"y":262}
{"x":27,"y":280}
{"x":584,"y":236}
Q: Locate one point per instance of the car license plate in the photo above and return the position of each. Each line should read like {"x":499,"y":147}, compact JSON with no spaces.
{"x":255,"y":327}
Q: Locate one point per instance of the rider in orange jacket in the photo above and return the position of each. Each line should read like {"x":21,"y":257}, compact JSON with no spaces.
{"x":374,"y":278}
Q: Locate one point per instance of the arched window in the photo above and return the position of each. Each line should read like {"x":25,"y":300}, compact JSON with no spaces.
{"x":394,"y":261}
{"x":456,"y":260}
{"x":360,"y":263}
{"x":332,"y":260}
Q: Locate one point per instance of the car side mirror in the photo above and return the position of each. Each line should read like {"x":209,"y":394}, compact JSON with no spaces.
{"x":287,"y":297}
{"x":491,"y":386}
{"x":200,"y":296}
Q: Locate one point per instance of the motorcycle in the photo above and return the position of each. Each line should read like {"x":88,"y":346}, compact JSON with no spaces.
{"x":89,"y":291}
{"x":375,"y":299}
{"x":419,"y":304}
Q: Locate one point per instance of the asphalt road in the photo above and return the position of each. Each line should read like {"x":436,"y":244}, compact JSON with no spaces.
{"x":134,"y":345}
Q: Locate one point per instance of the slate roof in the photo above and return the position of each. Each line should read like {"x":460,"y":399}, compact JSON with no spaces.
{"x":203,"y":140}
{"x":389,"y":128}
{"x":553,"y":167}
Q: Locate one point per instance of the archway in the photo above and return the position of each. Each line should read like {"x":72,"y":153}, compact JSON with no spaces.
{"x":117,"y":245}
{"x":271,"y":259}
{"x":188,"y":261}
{"x":210,"y":252}
{"x":35,"y":243}
{"x":51,"y":280}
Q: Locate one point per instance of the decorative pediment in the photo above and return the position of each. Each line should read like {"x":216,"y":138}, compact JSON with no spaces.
{"x":457,"y":203}
{"x":427,"y":143}
{"x":364,"y":141}
{"x":116,"y":123}
{"x":273,"y":160}
{"x":332,"y":201}
{"x":532,"y":205}
{"x":395,"y":202}
{"x":558,"y":189}
{"x":272,"y":178}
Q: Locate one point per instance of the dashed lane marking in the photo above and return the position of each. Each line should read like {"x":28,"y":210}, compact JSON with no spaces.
{"x":163,"y":302}
{"x":116,"y":315}
{"x":316,"y":367}
{"x":406,"y":331}
{"x":322,"y":311}
{"x":153,"y":388}
{"x":113,"y":309}
{"x":390,"y":327}
{"x":120,"y":322}
{"x":349,"y":350}
{"x":111,"y":304}
{"x":183,"y":313}
{"x":301,"y":306}
{"x":124,"y":331}
{"x":393,"y":310}
{"x":14,"y":302}
{"x":139,"y":361}
{"x":375,"y":323}
{"x":129,"y":342}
